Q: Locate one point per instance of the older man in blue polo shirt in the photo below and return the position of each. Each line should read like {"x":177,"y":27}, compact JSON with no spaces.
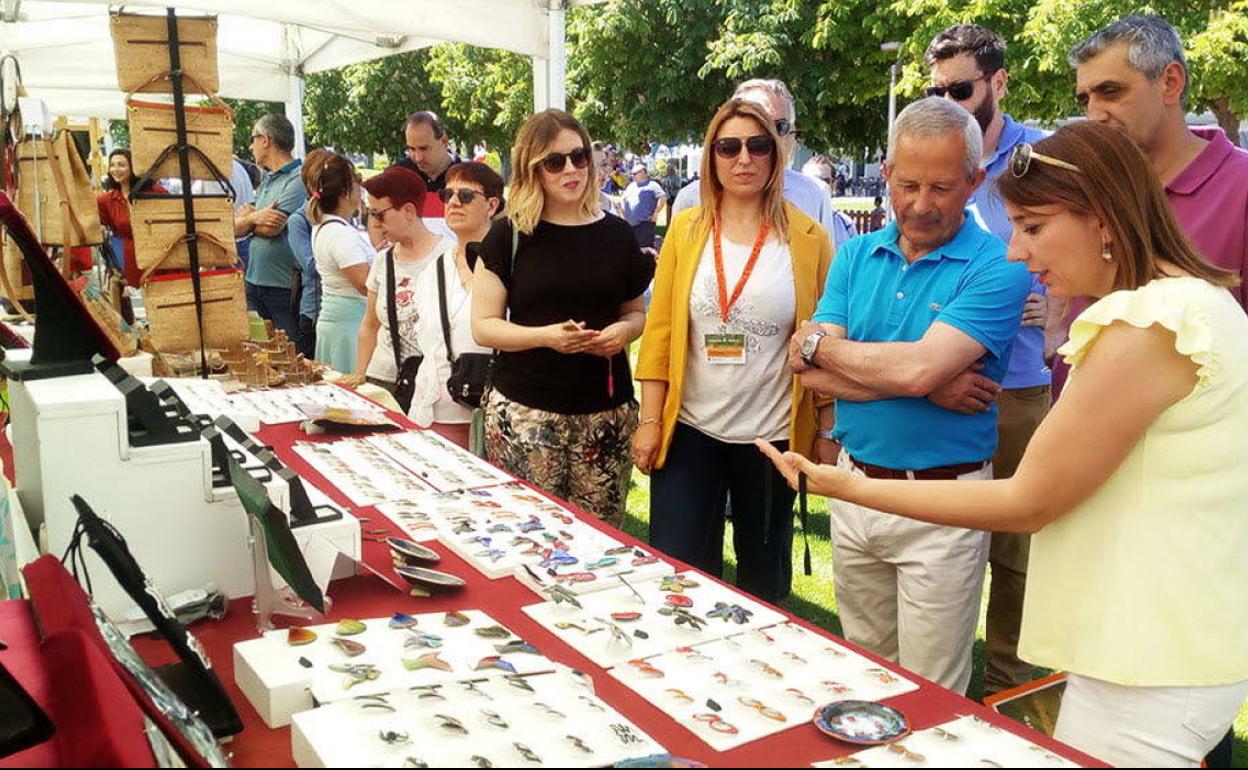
{"x":905,"y":312}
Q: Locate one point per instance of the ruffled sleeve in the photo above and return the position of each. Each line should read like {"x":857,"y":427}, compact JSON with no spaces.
{"x":1178,"y":304}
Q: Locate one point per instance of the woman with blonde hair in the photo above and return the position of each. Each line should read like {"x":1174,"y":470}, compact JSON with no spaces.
{"x":737,"y":275}
{"x":558,"y":292}
{"x":1136,"y":484}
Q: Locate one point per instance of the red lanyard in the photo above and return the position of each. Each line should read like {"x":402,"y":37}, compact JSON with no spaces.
{"x":726,"y":302}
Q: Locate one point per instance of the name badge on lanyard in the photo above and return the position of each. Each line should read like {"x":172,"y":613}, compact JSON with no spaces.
{"x":727,"y":347}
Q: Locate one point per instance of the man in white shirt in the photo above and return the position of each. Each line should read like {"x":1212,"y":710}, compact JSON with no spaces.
{"x":801,"y":191}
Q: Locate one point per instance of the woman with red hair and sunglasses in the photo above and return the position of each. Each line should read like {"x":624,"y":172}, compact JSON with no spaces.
{"x":737,"y":274}
{"x":558,"y":291}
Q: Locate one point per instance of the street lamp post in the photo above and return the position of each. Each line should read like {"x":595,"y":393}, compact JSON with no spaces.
{"x":890,"y":47}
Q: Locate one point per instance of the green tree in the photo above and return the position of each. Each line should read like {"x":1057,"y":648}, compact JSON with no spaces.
{"x":246,"y":113}
{"x":486,"y":93}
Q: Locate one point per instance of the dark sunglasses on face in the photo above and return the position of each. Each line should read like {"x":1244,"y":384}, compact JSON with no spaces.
{"x":557,"y":161}
{"x":759,"y":146}
{"x":464,"y":195}
{"x":960,"y":91}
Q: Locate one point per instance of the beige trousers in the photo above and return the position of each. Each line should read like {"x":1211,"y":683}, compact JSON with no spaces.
{"x":909,"y":591}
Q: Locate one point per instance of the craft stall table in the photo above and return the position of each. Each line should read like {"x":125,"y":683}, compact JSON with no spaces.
{"x":368,"y":596}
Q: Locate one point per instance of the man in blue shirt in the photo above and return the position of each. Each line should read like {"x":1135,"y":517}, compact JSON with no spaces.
{"x":643,"y":200}
{"x":967,"y":65}
{"x":905,"y":311}
{"x":270,"y":263}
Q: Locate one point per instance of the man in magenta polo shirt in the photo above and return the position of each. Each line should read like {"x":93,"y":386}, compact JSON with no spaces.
{"x":1132,"y":75}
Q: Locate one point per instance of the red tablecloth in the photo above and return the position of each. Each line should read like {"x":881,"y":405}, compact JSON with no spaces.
{"x":369,"y":597}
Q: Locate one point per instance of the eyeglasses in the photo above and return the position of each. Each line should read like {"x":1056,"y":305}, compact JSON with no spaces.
{"x":379,"y":213}
{"x":558,"y":161}
{"x":464,"y":195}
{"x":960,"y":90}
{"x":1024,"y":154}
{"x":254,"y":137}
{"x":759,"y":146}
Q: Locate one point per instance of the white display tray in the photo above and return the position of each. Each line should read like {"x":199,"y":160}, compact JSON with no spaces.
{"x":439,"y":463}
{"x":663,"y":633}
{"x":269,"y":673}
{"x":966,"y":742}
{"x":345,"y":734}
{"x":787,"y":668}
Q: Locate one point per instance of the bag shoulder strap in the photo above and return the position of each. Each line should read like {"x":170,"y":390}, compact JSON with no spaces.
{"x":392,"y":312}
{"x":446,"y":321}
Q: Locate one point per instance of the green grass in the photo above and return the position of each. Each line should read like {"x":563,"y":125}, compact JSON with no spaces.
{"x":814,"y":600}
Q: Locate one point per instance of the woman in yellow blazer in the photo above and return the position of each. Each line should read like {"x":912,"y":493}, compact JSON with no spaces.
{"x":735,"y":277}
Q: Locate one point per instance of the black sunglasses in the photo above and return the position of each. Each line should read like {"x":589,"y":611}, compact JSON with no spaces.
{"x":557,"y":161}
{"x":960,"y":90}
{"x":758,"y":146}
{"x":464,"y":194}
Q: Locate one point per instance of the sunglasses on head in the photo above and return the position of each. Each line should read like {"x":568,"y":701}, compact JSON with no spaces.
{"x":557,"y":161}
{"x":784,"y":128}
{"x":464,"y":195}
{"x":960,"y":90}
{"x":1024,"y":154}
{"x":759,"y":146}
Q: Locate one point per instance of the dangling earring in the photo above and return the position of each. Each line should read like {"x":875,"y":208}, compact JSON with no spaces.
{"x":1106,"y":254}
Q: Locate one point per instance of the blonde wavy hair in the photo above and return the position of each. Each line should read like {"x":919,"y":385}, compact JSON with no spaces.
{"x":534,"y":141}
{"x":713,"y":190}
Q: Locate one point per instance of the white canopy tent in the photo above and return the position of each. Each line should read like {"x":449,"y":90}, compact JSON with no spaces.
{"x":266,"y":47}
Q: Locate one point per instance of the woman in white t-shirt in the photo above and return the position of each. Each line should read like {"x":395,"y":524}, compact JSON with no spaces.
{"x":343,"y":256}
{"x":472,"y":195}
{"x":736,"y":276}
{"x":395,"y":199}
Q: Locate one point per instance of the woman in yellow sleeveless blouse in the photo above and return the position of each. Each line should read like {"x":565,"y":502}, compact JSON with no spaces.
{"x":1136,"y":484}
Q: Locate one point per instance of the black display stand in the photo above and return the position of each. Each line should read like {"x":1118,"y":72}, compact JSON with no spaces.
{"x":149,"y":421}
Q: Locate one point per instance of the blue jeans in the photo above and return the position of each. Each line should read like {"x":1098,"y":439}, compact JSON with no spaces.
{"x":273,"y":304}
{"x":687,"y":497}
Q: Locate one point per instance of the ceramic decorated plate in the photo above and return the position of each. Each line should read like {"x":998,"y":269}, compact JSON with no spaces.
{"x":408,"y":551}
{"x":430,"y":578}
{"x":861,"y":722}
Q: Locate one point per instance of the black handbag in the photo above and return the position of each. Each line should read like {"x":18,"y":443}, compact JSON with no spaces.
{"x":470,"y":372}
{"x":405,"y":382}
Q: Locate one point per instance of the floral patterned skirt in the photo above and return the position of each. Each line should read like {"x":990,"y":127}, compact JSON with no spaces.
{"x":581,"y":458}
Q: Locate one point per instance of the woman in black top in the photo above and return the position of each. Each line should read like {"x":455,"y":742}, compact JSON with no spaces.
{"x":558,"y":292}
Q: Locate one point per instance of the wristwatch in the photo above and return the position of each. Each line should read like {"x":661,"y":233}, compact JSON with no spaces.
{"x":810,"y":346}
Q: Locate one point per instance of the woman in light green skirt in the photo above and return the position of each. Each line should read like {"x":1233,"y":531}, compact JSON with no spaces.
{"x":343,"y":256}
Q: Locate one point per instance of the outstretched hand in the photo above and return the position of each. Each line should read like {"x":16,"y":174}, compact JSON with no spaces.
{"x":825,"y":480}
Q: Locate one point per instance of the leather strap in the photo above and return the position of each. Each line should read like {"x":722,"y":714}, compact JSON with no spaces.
{"x":446,"y":321}
{"x":69,"y":219}
{"x":392,"y":312}
{"x":187,"y":238}
{"x":942,"y":473}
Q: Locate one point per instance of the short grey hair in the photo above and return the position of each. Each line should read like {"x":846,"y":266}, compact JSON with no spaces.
{"x":279,"y":129}
{"x":776,"y":88}
{"x":934,"y":116}
{"x":1152,"y":45}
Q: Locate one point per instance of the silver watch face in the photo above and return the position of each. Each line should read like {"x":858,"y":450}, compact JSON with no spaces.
{"x":810,"y":344}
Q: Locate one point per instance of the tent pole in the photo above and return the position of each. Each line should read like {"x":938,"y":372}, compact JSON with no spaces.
{"x":294,"y":112}
{"x":557,"y":69}
{"x":541,"y":84}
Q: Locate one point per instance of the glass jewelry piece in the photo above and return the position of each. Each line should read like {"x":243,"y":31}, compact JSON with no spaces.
{"x":625,"y":733}
{"x":883,"y":676}
{"x":427,"y":641}
{"x":492,"y":632}
{"x":428,"y":660}
{"x":455,"y":619}
{"x":836,"y":688}
{"x":762,"y":708}
{"x":357,"y":673}
{"x":495,"y":661}
{"x":637,"y":632}
{"x":800,"y":696}
{"x":558,"y":558}
{"x":401,"y":620}
{"x":493,"y":718}
{"x":415,"y":762}
{"x":550,"y":712}
{"x":676,"y":584}
{"x":678,"y":600}
{"x":516,"y":646}
{"x":591,"y":703}
{"x":498,"y":528}
{"x":526,"y":753}
{"x":945,"y":735}
{"x":561,"y":595}
{"x":694,"y":655}
{"x":577,"y":577}
{"x":913,"y":756}
{"x":626,"y":617}
{"x":350,"y":627}
{"x":608,"y":561}
{"x":766,"y":669}
{"x":646,"y":669}
{"x":394,"y":737}
{"x":793,"y":656}
{"x":642,"y":561}
{"x":451,"y":724}
{"x":532,"y":525}
{"x":518,"y":682}
{"x":297,"y":636}
{"x":579,"y":744}
{"x":481,"y":761}
{"x":716,"y":723}
{"x":349,"y":647}
{"x":731,"y":612}
{"x":428,"y":692}
{"x":305,"y":662}
{"x":679,"y":695}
